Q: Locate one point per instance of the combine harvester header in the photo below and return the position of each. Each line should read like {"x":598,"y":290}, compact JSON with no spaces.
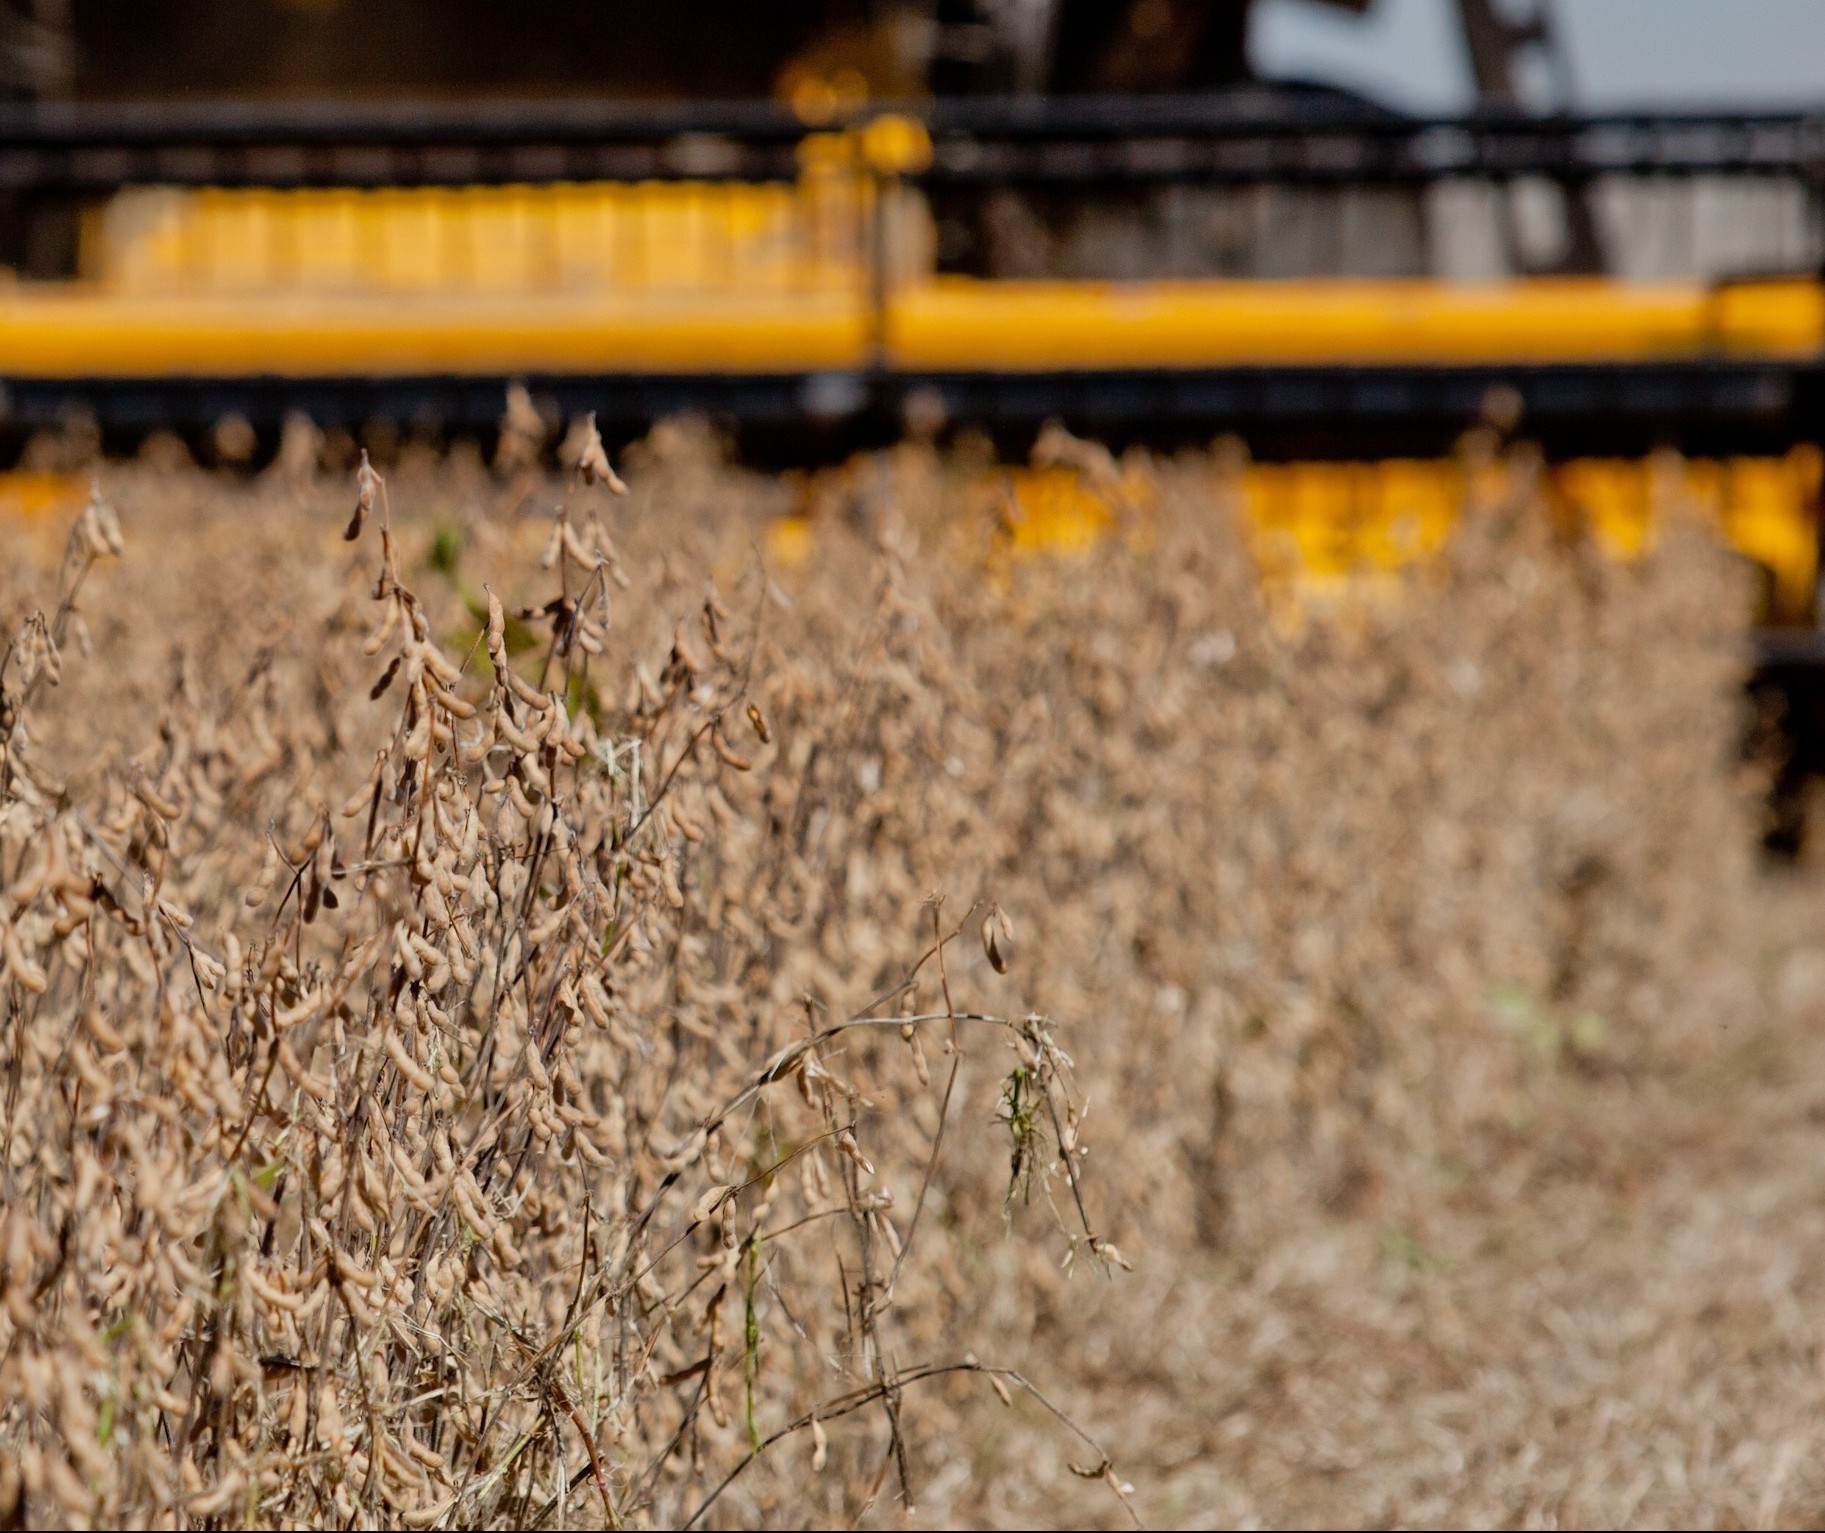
{"x":411,"y":260}
{"x":819,"y":284}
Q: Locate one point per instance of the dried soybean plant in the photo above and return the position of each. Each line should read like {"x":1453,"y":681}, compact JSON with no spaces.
{"x":425,"y":1148}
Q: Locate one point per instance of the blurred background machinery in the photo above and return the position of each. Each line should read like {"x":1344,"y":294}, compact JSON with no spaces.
{"x":820,"y":219}
{"x":824,"y":221}
{"x":1133,"y":211}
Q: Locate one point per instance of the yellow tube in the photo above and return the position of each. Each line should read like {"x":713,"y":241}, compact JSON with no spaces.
{"x":1038,"y":326}
{"x":54,"y":330}
{"x":57,"y":333}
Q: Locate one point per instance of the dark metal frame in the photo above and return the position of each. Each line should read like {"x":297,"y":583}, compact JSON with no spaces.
{"x":1143,"y":141}
{"x":55,"y":153}
{"x":1072,"y":141}
{"x":1286,"y":412}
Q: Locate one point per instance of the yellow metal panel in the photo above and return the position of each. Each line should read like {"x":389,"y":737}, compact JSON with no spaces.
{"x":1053,"y":508}
{"x":1769,"y":513}
{"x":1321,"y":528}
{"x":788,"y":542}
{"x":685,"y":236}
{"x":1610,"y":497}
{"x":1324,"y":523}
{"x":1765,"y":508}
{"x":1405,"y":511}
{"x":1325,"y":531}
{"x":327,"y":240}
{"x":24,"y":492}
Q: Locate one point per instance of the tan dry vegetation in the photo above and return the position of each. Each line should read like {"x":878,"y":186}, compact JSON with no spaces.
{"x":1438,"y":1051}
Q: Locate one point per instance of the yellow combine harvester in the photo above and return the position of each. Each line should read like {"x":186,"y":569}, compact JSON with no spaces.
{"x":793,"y":281}
{"x":832,"y":272}
{"x":780,"y":275}
{"x":822,"y":224}
{"x":824,"y":290}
